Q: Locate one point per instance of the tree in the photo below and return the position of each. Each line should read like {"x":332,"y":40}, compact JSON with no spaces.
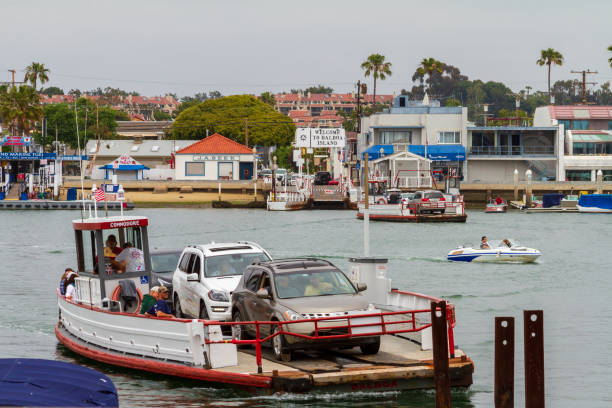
{"x":52,"y":90}
{"x":268,"y":97}
{"x":452,"y":102}
{"x":161,"y":115}
{"x":227,"y":116}
{"x":36,"y":72}
{"x":610,"y":59}
{"x":378,"y":68}
{"x":20,"y":108}
{"x":549,"y":57}
{"x":318,"y":89}
{"x":428,"y":67}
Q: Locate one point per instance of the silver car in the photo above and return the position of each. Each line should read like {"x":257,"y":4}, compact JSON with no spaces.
{"x":296,"y":289}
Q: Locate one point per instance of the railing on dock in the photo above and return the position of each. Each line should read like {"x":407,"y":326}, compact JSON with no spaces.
{"x":348,"y":327}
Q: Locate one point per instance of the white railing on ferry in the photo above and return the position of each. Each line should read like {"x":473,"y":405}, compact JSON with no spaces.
{"x":413,"y":181}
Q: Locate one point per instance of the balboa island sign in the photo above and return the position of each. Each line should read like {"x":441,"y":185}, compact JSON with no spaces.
{"x":320,"y":137}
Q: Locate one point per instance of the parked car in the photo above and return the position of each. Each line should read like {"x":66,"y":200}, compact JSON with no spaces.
{"x":406,"y":197}
{"x":322,"y":178}
{"x":163,"y":265}
{"x":294,"y":289}
{"x":429,"y":200}
{"x":281,"y":175}
{"x":264,"y":174}
{"x":207,"y":275}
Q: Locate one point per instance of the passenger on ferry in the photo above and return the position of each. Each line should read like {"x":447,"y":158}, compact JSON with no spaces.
{"x":111,"y":250}
{"x":285,"y":290}
{"x":161,"y":308}
{"x":317,"y":287}
{"x":62,"y":285}
{"x":131,"y":259}
{"x":484,"y":244}
{"x":70,"y":285}
{"x":149,"y":299}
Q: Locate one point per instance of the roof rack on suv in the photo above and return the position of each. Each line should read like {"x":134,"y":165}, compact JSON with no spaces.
{"x":295,"y":263}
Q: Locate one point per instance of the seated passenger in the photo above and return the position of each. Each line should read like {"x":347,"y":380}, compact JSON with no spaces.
{"x":131,"y":259}
{"x":284,"y":290}
{"x":111,"y":250}
{"x":70,"y":286}
{"x":227,"y":269}
{"x":507,"y":243}
{"x":160,"y":308}
{"x":499,"y":200}
{"x":149,"y":299}
{"x":62,"y":285}
{"x":317,"y":287}
{"x":484,"y":244}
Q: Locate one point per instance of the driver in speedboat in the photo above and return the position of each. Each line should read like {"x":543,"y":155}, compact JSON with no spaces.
{"x":507,"y":243}
{"x":484,"y":244}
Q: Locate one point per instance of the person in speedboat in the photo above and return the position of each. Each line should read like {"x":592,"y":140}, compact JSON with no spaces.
{"x":507,"y":243}
{"x":484,"y":244}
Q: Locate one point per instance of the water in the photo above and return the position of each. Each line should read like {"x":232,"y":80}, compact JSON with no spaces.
{"x":571,"y":283}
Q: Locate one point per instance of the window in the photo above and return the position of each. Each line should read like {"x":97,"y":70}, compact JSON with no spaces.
{"x":565,"y":123}
{"x":253,"y":280}
{"x":610,"y":125}
{"x":580,"y":124}
{"x":134,"y":148}
{"x":449,"y":137}
{"x":234,"y":264}
{"x":155,"y":149}
{"x":184,"y":262}
{"x":194,"y":168}
{"x":578,"y":175}
{"x":391,"y":137}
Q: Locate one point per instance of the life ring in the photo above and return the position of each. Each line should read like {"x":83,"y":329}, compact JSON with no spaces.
{"x":115,"y":297}
{"x":381,"y":200}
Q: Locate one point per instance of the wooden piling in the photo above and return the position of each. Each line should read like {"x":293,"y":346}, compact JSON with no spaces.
{"x":533,"y":326}
{"x":440,"y":354}
{"x":504,"y":362}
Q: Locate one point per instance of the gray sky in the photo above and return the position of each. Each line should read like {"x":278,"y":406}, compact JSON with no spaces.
{"x":186,"y":46}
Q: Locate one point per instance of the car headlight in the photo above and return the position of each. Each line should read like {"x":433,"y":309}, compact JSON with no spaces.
{"x":291,"y":315}
{"x":218,"y":296}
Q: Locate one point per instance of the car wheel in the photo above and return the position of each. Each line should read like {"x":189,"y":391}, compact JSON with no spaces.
{"x":279,"y":346}
{"x":203,"y":312}
{"x":370,"y":348}
{"x":177,"y":308}
{"x":239,"y":331}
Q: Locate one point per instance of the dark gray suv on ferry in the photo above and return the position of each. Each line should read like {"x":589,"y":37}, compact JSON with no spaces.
{"x":296,"y":289}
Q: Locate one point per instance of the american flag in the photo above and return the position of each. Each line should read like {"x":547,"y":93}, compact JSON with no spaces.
{"x":99,"y":195}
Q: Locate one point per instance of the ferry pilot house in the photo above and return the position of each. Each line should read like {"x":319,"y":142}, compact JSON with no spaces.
{"x":113,"y":262}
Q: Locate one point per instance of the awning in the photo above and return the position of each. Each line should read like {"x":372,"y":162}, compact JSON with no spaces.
{"x":592,"y":138}
{"x":440,"y":152}
{"x":374,"y":151}
{"x":124,"y":167}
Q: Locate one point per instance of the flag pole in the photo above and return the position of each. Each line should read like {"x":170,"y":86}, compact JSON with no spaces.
{"x":105,"y":203}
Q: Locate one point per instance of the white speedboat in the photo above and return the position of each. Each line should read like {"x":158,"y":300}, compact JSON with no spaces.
{"x":497,"y":253}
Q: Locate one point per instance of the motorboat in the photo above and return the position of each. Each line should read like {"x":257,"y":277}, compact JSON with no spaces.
{"x":496,"y":208}
{"x":498,"y":252}
{"x":595,"y":203}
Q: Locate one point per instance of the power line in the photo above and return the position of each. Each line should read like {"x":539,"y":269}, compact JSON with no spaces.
{"x":584,"y":82}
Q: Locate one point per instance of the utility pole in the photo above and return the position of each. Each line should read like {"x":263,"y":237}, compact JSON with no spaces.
{"x":357,"y":127}
{"x":485,"y":109}
{"x":246,"y":131}
{"x":584,"y":82}
{"x":12,"y":71}
{"x":517,"y":98}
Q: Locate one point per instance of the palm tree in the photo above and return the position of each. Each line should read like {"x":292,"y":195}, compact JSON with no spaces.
{"x":429,"y":66}
{"x":549,"y":57}
{"x":376,"y":65}
{"x":36,"y":72}
{"x":20,"y":108}
{"x":610,"y":59}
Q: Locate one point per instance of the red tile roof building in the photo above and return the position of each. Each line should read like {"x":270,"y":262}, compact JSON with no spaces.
{"x":321,"y":110}
{"x":216,"y":144}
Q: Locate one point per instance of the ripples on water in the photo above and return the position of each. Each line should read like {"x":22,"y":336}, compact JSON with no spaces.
{"x":571,"y":283}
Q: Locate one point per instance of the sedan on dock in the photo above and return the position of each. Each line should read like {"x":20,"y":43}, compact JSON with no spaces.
{"x":302,"y":289}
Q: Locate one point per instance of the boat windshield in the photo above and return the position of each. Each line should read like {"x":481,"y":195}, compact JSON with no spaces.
{"x":307,"y":284}
{"x":231,"y":264}
{"x":499,"y":243}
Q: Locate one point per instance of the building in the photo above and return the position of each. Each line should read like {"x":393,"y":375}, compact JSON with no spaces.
{"x":156,"y":155}
{"x":423,"y":128}
{"x":494,"y":152}
{"x":215,"y":158}
{"x":587,"y":139}
{"x":143,"y":130}
{"x":321,"y":110}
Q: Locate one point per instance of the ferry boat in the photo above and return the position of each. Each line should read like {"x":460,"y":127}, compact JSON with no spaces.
{"x":432,"y":211}
{"x":101,"y":323}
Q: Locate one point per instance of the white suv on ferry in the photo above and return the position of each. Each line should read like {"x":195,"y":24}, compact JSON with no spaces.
{"x":207,"y":275}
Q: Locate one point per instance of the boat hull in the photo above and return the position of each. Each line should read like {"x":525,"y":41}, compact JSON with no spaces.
{"x":494,"y":256}
{"x":492,"y":209}
{"x":583,"y":209}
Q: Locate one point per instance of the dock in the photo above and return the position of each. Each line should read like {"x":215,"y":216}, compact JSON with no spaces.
{"x":416,"y":217}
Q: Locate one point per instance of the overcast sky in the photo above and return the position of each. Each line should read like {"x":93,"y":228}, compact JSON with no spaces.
{"x":185,"y":47}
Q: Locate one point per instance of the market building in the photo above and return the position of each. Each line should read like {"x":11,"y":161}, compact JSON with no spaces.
{"x":215,"y":158}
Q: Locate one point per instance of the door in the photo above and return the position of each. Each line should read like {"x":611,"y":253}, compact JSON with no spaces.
{"x":250,"y":296}
{"x":193,"y":288}
{"x":264,"y":307}
{"x":179,"y":280}
{"x":246,"y":171}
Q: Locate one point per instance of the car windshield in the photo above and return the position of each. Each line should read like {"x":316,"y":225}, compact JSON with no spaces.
{"x":234,"y":264}
{"x":165,"y":262}
{"x":307,"y":284}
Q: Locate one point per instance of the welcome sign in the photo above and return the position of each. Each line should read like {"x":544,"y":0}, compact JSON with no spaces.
{"x":320,"y":137}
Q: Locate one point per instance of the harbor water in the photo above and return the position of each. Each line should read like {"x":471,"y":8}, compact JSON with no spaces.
{"x":571,"y":283}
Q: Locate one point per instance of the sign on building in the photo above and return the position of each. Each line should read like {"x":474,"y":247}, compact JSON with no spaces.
{"x":16,"y":141}
{"x":320,"y":137}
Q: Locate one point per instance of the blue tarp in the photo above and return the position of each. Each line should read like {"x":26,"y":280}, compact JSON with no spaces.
{"x":125,"y":167}
{"x":551,"y":200}
{"x":374,"y":151}
{"x":440,"y":152}
{"x":603,"y":201}
{"x":35,"y":382}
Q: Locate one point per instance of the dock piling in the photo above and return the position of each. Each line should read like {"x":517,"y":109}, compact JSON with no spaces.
{"x":528,"y":189}
{"x":516,"y":185}
{"x":533,"y":325}
{"x":440,"y":354}
{"x":504,"y":362}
